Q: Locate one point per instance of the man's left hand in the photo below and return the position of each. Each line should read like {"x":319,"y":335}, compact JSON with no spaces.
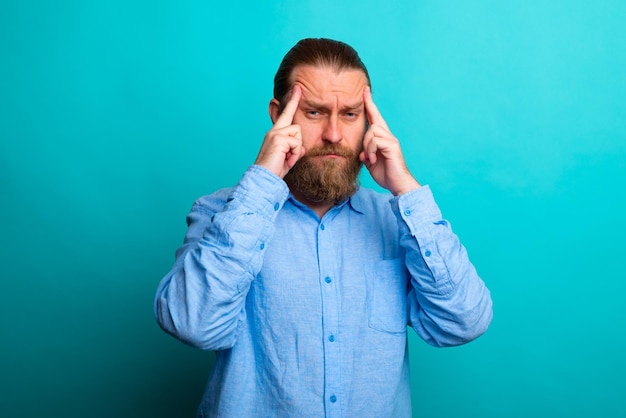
{"x":382,"y":154}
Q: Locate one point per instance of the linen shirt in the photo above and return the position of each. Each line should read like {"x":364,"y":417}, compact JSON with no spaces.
{"x":309,"y":316}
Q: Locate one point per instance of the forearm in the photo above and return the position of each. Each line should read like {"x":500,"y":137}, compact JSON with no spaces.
{"x":201,"y":300}
{"x":448,"y":303}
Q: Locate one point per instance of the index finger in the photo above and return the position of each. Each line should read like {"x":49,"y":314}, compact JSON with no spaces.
{"x":286,"y":116}
{"x":373,"y":115}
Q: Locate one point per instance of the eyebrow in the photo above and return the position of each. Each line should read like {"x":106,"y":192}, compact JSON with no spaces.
{"x":314,"y":105}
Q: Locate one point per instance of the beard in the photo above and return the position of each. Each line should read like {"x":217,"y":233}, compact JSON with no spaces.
{"x":328,"y":180}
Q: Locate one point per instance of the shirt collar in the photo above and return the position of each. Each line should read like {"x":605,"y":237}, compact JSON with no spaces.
{"x":355,"y":202}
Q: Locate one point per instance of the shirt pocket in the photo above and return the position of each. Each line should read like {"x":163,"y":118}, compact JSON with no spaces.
{"x":386,"y":284}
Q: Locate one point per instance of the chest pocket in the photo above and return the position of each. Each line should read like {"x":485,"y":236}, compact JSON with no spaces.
{"x":387,"y":284}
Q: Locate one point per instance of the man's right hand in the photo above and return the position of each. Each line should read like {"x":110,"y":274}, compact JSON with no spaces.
{"x":282,"y":146}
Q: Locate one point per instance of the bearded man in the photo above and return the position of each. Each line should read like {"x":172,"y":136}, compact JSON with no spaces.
{"x":302,"y":281}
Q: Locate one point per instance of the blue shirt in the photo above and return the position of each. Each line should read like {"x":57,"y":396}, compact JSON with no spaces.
{"x":308,"y":316}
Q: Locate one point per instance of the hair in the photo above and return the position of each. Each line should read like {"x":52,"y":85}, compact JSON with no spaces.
{"x":316,"y":52}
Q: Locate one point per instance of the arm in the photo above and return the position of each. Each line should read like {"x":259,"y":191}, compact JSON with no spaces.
{"x":448,"y":304}
{"x":201,"y":301}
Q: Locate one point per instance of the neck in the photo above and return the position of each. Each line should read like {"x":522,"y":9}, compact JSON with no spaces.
{"x":320,"y":208}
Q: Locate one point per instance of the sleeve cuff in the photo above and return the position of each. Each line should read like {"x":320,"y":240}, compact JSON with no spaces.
{"x":417,"y":209}
{"x":261,"y":191}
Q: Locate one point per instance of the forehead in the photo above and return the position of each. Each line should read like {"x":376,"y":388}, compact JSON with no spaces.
{"x":326,"y":83}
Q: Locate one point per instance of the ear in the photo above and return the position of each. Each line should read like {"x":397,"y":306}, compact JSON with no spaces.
{"x":274,"y":110}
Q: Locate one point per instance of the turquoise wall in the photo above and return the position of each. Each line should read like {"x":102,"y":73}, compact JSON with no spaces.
{"x":115,"y":116}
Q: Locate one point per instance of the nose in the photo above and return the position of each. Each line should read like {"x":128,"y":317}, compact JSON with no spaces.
{"x":332,"y":131}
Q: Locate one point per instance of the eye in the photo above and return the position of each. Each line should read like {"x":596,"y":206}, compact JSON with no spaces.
{"x":313,"y":114}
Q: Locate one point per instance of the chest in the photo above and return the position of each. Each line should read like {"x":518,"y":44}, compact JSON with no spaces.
{"x":311,"y":266}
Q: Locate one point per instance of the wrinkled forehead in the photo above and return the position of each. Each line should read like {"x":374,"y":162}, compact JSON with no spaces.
{"x":324,"y":83}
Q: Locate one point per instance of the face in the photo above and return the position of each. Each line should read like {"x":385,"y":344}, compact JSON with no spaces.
{"x":332,"y":118}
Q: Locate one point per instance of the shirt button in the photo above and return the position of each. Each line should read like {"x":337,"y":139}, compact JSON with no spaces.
{"x":427,"y":253}
{"x":276,"y":206}
{"x":322,"y":227}
{"x":407,"y":212}
{"x":333,"y":398}
{"x":262,"y":245}
{"x":328,"y":279}
{"x":331,"y":338}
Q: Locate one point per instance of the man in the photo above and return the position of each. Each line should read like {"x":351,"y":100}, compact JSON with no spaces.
{"x":304,"y":283}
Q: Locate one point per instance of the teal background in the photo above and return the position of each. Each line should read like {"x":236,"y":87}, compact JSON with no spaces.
{"x":115,"y":116}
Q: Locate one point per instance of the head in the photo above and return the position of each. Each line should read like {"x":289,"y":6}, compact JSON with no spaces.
{"x":331,"y":116}
{"x":316,"y":52}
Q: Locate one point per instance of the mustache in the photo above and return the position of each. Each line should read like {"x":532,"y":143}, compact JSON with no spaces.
{"x":330,"y":149}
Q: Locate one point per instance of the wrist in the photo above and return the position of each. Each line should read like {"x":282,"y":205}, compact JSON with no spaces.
{"x":406,"y":187}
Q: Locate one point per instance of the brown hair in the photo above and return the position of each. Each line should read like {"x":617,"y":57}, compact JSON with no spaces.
{"x":316,"y":52}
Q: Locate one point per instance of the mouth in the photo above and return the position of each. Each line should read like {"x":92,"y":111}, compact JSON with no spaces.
{"x":329,"y":157}
{"x":329,"y":153}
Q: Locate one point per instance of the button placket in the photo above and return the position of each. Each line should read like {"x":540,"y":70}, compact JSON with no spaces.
{"x":330,"y":315}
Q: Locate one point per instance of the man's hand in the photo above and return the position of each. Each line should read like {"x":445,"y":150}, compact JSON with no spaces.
{"x":382,"y":154}
{"x":282,"y":146}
